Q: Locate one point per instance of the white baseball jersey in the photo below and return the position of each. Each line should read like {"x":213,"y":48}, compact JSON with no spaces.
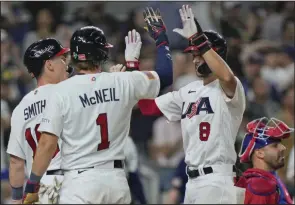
{"x":25,"y":120}
{"x":93,"y":112}
{"x":209,"y":121}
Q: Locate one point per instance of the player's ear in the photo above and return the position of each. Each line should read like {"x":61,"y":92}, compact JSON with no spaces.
{"x":48,"y":65}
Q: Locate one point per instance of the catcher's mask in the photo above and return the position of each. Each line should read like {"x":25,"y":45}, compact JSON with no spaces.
{"x":260,"y":133}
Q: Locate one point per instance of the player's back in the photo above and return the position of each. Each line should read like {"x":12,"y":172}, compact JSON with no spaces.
{"x":97,"y":111}
{"x":210,"y":122}
{"x":25,"y":121}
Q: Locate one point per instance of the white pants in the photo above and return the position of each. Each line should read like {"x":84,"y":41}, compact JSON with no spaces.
{"x":214,"y":188}
{"x":95,"y":186}
{"x":49,"y":189}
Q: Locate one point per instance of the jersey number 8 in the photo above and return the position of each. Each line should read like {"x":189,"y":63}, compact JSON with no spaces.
{"x":204,"y":130}
{"x":31,"y":141}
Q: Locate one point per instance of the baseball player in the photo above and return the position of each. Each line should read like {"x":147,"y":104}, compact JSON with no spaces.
{"x":132,"y":172}
{"x":263,"y":148}
{"x":91,"y":113}
{"x":210,"y":111}
{"x":47,"y":61}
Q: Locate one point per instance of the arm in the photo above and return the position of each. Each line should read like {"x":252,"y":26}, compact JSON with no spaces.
{"x":194,"y":33}
{"x":17,"y":158}
{"x":51,"y":128}
{"x":149,"y":107}
{"x":170,"y":105}
{"x":45,"y":151}
{"x":157,"y":30}
{"x":16,"y":177}
{"x":223,"y":72}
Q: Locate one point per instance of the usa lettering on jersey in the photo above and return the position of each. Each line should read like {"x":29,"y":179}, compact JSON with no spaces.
{"x":194,"y":108}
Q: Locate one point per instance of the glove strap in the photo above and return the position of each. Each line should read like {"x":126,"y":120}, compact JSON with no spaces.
{"x":132,"y":65}
{"x":162,"y":40}
{"x":32,"y":187}
{"x":201,"y":42}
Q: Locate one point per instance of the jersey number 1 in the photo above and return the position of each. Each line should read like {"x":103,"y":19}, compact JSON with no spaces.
{"x":31,"y":141}
{"x":102,"y":121}
{"x":204,"y":130}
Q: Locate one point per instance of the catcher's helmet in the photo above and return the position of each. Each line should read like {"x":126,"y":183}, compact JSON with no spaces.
{"x":40,"y":51}
{"x":89,"y":44}
{"x":218,"y":44}
{"x":260,"y":133}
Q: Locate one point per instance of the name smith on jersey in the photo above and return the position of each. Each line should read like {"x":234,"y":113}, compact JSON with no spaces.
{"x":100,"y":96}
{"x":34,"y":109}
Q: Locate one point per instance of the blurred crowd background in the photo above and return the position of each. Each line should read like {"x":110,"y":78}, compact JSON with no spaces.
{"x":260,"y":37}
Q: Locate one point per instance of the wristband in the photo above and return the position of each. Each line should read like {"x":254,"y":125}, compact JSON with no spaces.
{"x":132,"y":65}
{"x":17,"y":193}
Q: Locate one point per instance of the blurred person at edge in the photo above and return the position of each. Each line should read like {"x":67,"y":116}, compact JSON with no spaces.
{"x":5,"y":124}
{"x":232,"y":28}
{"x":177,"y":191}
{"x":278,"y":68}
{"x":46,"y":25}
{"x":252,"y":69}
{"x":261,"y":104}
{"x":290,"y":174}
{"x":288,"y":31}
{"x":287,"y":115}
{"x":135,"y":20}
{"x":12,"y":70}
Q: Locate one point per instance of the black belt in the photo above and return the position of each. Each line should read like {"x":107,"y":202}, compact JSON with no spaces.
{"x":55,"y":172}
{"x":118,"y":164}
{"x":206,"y":170}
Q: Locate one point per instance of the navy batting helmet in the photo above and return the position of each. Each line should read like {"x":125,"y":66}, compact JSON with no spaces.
{"x":40,"y":51}
{"x":260,"y":133}
{"x":89,"y":44}
{"x":218,"y":44}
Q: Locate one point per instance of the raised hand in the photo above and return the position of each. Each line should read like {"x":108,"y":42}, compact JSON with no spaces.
{"x":132,"y":51}
{"x":155,"y":26}
{"x":189,"y":23}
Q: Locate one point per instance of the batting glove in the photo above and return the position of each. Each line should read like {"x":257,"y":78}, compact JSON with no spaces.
{"x":155,"y":26}
{"x":132,"y":51}
{"x":192,"y":30}
{"x":31,"y":193}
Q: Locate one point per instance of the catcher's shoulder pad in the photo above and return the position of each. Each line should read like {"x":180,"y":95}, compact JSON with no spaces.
{"x":260,"y":182}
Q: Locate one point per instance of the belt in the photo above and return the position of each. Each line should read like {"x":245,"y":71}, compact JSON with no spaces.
{"x":118,"y":164}
{"x":55,"y":172}
{"x":206,"y":170}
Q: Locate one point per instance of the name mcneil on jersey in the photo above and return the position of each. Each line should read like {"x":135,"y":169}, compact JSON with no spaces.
{"x":194,"y":108}
{"x":100,"y":96}
{"x":34,"y":109}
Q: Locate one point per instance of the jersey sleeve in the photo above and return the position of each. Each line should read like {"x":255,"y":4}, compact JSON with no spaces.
{"x":52,"y":120}
{"x":14,"y":146}
{"x":239,"y":98}
{"x":131,"y":155}
{"x":143,"y":84}
{"x":170,"y":105}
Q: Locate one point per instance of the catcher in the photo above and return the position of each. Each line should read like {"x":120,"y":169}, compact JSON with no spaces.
{"x":262,"y":147}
